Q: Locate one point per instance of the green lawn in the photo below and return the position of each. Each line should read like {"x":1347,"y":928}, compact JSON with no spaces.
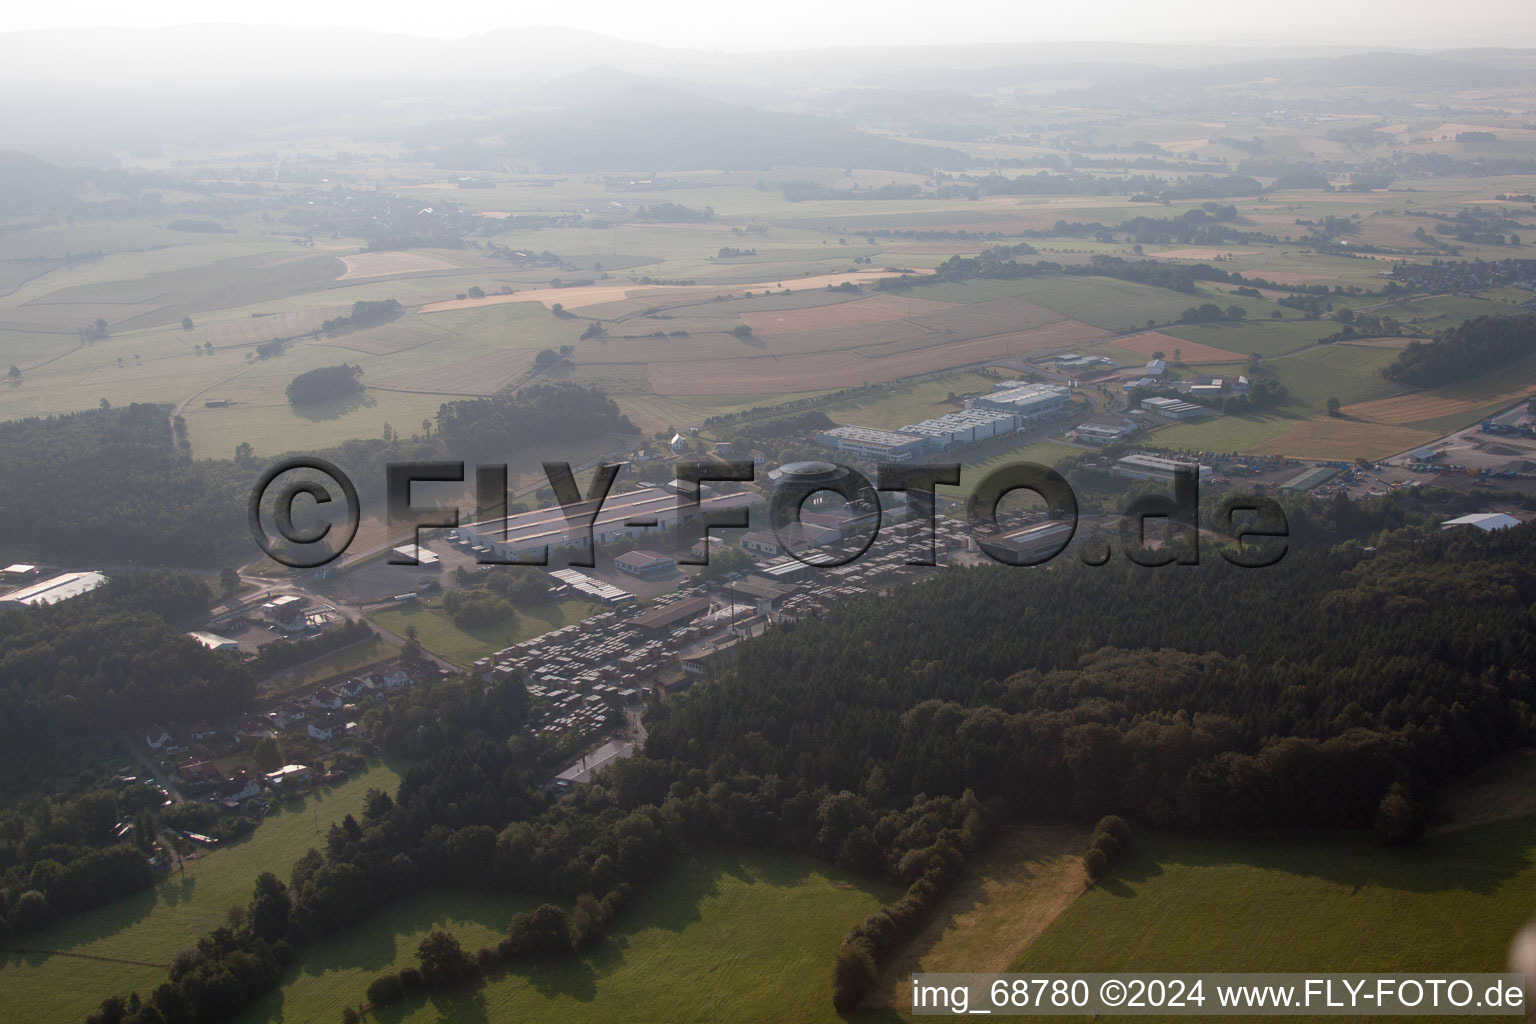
{"x":439,"y":635}
{"x":911,"y":404}
{"x":727,"y":936}
{"x":1045,"y":453}
{"x":152,"y":926}
{"x":1322,"y":902}
{"x":1241,"y":433}
{"x":1266,"y":337}
{"x":1350,"y":373}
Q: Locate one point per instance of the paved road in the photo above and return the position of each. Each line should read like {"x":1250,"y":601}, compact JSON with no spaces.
{"x":142,"y":756}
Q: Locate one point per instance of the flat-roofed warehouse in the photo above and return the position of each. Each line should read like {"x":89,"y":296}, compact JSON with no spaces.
{"x":1034,"y":540}
{"x":872,"y":442}
{"x":1155,"y":467}
{"x":1303,"y":482}
{"x":56,"y":588}
{"x":1028,"y":402}
{"x":621,"y":515}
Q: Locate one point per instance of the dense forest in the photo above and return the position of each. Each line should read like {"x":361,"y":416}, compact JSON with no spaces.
{"x":324,"y":383}
{"x":1377,"y":660}
{"x":119,"y":484}
{"x":488,"y":429}
{"x":115,"y":484}
{"x":1465,"y":351}
{"x":109,"y":660}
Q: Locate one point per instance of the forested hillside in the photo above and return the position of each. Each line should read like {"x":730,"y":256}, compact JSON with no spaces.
{"x":891,"y":735}
{"x":1291,"y":695}
{"x":1459,"y":353}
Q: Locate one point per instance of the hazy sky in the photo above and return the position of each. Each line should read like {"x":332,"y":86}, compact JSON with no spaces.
{"x":723,"y":25}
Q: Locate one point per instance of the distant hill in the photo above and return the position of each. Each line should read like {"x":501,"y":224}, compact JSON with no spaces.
{"x":29,"y":186}
{"x":656,"y":128}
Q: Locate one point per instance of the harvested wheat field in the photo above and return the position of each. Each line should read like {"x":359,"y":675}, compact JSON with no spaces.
{"x":385,"y":264}
{"x":1425,"y":405}
{"x":814,"y":371}
{"x":996,"y":316}
{"x":1189,"y":351}
{"x":67,"y":317}
{"x":481,"y":375}
{"x":256,"y":329}
{"x":1326,"y":438}
{"x":876,"y":309}
{"x":596,"y":294}
{"x":1200,"y":254}
{"x":386,"y":339}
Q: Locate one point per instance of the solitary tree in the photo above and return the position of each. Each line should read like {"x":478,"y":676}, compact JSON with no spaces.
{"x":1333,"y":406}
{"x":229,"y":580}
{"x":267,"y":756}
{"x":186,"y":323}
{"x":443,"y":960}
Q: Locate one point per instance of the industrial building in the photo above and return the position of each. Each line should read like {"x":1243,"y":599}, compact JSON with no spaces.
{"x":1034,"y":541}
{"x":870,"y":442}
{"x":645,"y":565}
{"x":963,"y":427}
{"x":1173,"y":408}
{"x":621,"y":515}
{"x":593,"y":588}
{"x":1027,"y":402}
{"x":1303,"y":482}
{"x":1104,"y":428}
{"x":666,"y":617}
{"x":1487,"y":521}
{"x":1156,"y":368}
{"x":1155,"y":467}
{"x":1072,"y":361}
{"x":56,"y":588}
{"x":214,"y":642}
{"x":424,"y":557}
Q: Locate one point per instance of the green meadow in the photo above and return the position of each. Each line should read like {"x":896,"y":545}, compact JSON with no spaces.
{"x":148,"y":929}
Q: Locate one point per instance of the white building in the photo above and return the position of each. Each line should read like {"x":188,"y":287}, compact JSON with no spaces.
{"x":1155,"y":467}
{"x":1486,"y":521}
{"x":1173,"y":408}
{"x":213,"y":641}
{"x":1104,"y":428}
{"x":56,"y":588}
{"x":1028,"y":402}
{"x":870,"y":442}
{"x":963,"y":427}
{"x":621,"y":515}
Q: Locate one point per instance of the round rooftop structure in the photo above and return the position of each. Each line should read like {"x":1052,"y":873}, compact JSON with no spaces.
{"x":810,"y":470}
{"x":810,"y":474}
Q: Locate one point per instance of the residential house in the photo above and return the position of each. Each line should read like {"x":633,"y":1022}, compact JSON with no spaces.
{"x":238,"y":787}
{"x":327,"y":728}
{"x":327,"y":698}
